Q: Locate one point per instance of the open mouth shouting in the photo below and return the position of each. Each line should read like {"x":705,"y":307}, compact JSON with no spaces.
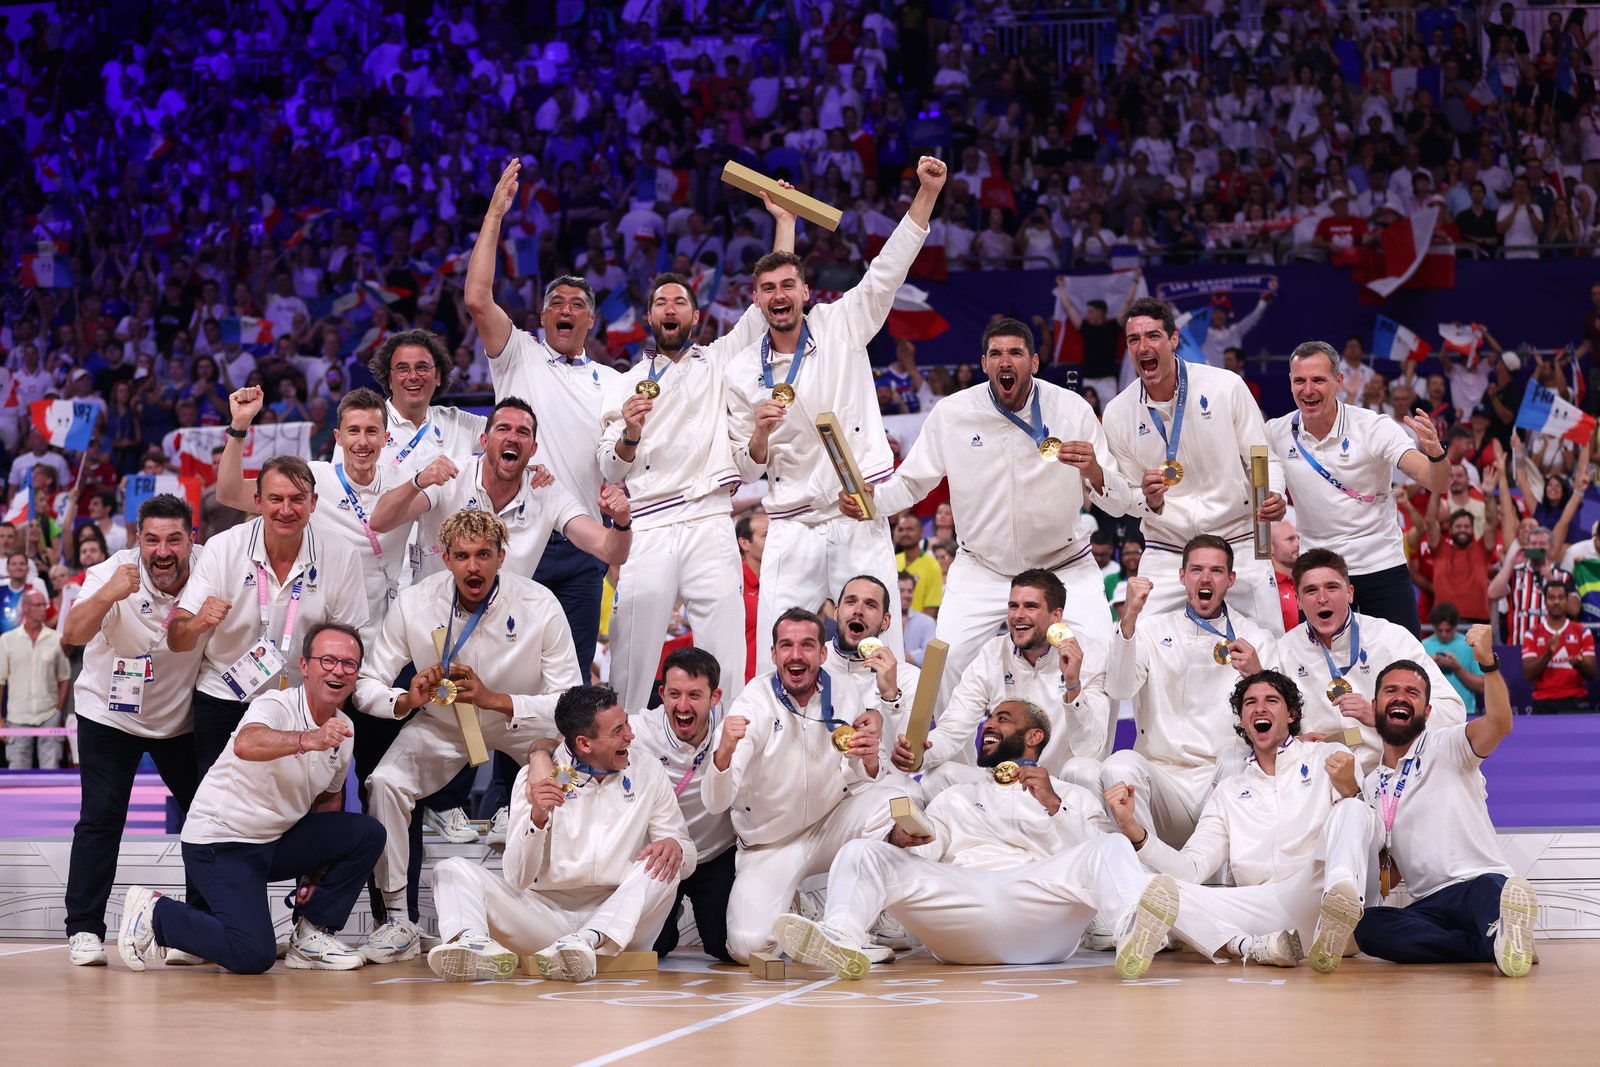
{"x":1262,"y":725}
{"x":1149,"y":366}
{"x":683,"y":722}
{"x":1206,"y":594}
{"x":164,"y":570}
{"x":990,"y":738}
{"x":564,"y":332}
{"x":795,"y":672}
{"x":856,"y":628}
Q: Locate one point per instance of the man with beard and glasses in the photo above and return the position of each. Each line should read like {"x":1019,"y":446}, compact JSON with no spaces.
{"x":665,"y":435}
{"x":1335,"y":654}
{"x":1185,"y":433}
{"x":1449,"y":895}
{"x":1023,"y":457}
{"x":1178,"y":668}
{"x":1016,"y":869}
{"x":507,"y":652}
{"x":1291,"y":827}
{"x":1024,"y":664}
{"x":806,"y":364}
{"x":143,"y":707}
{"x":798,"y":783}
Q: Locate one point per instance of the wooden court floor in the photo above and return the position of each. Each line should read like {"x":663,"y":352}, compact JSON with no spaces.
{"x":1187,"y":1011}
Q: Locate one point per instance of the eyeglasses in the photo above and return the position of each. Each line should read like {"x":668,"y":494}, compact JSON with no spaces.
{"x":332,"y":663}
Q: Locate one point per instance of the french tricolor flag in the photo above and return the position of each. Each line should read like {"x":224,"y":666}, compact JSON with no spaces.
{"x":522,"y":256}
{"x":913,"y":318}
{"x":662,"y":183}
{"x":65,"y":424}
{"x":1546,"y":413}
{"x":1405,"y":246}
{"x":1390,"y":340}
{"x":246,"y":330}
{"x":46,"y":271}
{"x":1462,"y":338}
{"x":142,"y":487}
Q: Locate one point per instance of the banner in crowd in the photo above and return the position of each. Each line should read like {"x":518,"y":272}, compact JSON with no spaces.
{"x":142,"y":487}
{"x":195,"y":445}
{"x":1390,"y":340}
{"x":65,"y":424}
{"x":1544,"y":412}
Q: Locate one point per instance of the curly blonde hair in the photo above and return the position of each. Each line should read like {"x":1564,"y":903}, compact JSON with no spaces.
{"x":472,"y":524}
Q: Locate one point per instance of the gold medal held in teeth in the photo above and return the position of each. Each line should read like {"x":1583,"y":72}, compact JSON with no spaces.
{"x":842,"y":736}
{"x":444,"y":694}
{"x":1007,"y":772}
{"x":783,"y":393}
{"x":1219,"y":652}
{"x":1172,"y":472}
{"x":1338,"y":688}
{"x":869,"y":646}
{"x":564,"y":776}
{"x":1058,"y":634}
{"x":648,"y":389}
{"x":1050,"y":449}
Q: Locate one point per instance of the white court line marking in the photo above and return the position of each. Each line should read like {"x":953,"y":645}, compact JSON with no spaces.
{"x":24,"y":951}
{"x":697,"y":981}
{"x":704,"y":1024}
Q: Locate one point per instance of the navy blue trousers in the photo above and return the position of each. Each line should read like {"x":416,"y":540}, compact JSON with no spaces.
{"x":1449,"y":926}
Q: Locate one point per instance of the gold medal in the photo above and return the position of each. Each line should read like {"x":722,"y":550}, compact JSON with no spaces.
{"x":1172,"y":472}
{"x":1050,"y":449}
{"x":1220,"y":653}
{"x":648,"y":389}
{"x":1007,"y":772}
{"x":1388,"y":872}
{"x":842,"y":736}
{"x":869,"y":646}
{"x":783,"y":393}
{"x":1338,"y":688}
{"x":1058,"y":634}
{"x":565,"y":777}
{"x":444,"y":694}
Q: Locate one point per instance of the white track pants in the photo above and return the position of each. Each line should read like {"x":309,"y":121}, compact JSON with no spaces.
{"x":470,"y":897}
{"x":1167,"y":805}
{"x":766,"y":876}
{"x":804,"y":565}
{"x":1254,"y":594}
{"x":695,"y":562}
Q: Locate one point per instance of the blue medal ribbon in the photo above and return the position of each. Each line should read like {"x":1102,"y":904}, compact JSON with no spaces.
{"x":1311,"y":461}
{"x":794,"y":367}
{"x":1177,"y":414}
{"x":826,"y":685}
{"x":650,"y":368}
{"x":1035,"y":427}
{"x":1355,"y":648}
{"x":1205,"y":624}
{"x":400,"y":457}
{"x":451,"y":650}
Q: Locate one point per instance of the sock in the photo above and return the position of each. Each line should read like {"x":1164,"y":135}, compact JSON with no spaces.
{"x":594,"y":937}
{"x":395,"y":905}
{"x":1240,"y":946}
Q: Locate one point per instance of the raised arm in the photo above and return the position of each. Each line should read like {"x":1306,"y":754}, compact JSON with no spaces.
{"x":233,"y":489}
{"x":1487,"y":731}
{"x":493,"y":324}
{"x":1569,"y":511}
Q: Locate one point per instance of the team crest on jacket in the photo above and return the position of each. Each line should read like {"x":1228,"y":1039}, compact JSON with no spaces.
{"x":249,"y":579}
{"x":1305,"y":774}
{"x":627,"y":789}
{"x":311,"y":578}
{"x":777,"y":725}
{"x":977,"y":441}
{"x":1300,"y":672}
{"x":1144,"y":430}
{"x":1245,"y":794}
{"x":511,"y":627}
{"x":1166,"y":642}
{"x":1366,"y":668}
{"x":144,"y":607}
{"x":1205,"y":407}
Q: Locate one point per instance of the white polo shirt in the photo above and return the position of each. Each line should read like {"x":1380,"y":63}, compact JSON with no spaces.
{"x":1264,"y":826}
{"x":566,"y":399}
{"x":785,"y":775}
{"x":331,"y":590}
{"x":1361,"y":452}
{"x":1082,"y":728}
{"x":255,"y":802}
{"x":521,"y":646}
{"x":530,"y":517}
{"x":447,"y":431}
{"x":994,"y":827}
{"x":1180,"y":692}
{"x":1221,"y":422}
{"x":684,"y":764}
{"x":596,"y":835}
{"x":1382,"y":642}
{"x":136,"y":626}
{"x":337,"y":512}
{"x":1442,"y":831}
{"x":1013,"y":509}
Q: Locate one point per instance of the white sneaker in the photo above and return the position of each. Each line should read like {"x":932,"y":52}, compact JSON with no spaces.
{"x":472,"y":957}
{"x":86,"y":950}
{"x":176,"y":957}
{"x":816,"y":945}
{"x":1281,"y":949}
{"x":1513,"y":931}
{"x":1147,"y":924}
{"x":136,"y":939}
{"x":876,"y":953}
{"x":1097,"y":937}
{"x":451,"y":825}
{"x":888,"y":931}
{"x":311,"y":948}
{"x":811,"y":903}
{"x":496,"y":837}
{"x":570,"y":959}
{"x":395,"y":941}
{"x":1341,"y":911}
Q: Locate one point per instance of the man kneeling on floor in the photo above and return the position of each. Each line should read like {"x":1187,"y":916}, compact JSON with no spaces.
{"x":1013,"y":873}
{"x":269,"y":809}
{"x":594,"y":853}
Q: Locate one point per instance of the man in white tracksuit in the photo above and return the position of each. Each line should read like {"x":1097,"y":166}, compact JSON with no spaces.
{"x":1023,"y":457}
{"x":1178,"y":668}
{"x":1012,"y":873}
{"x":1292,"y":828}
{"x":888,"y":685}
{"x":1337,"y":640}
{"x":1021,"y":664}
{"x":795,"y":796}
{"x":1177,"y":437}
{"x":821,"y":360}
{"x":510,"y":656}
{"x":593,"y":858}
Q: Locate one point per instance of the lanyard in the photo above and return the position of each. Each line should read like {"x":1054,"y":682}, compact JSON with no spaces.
{"x":451,"y":650}
{"x":699,"y":758}
{"x":826,"y":685}
{"x":1177,"y":414}
{"x":1035,"y":427}
{"x":651,"y":368}
{"x":1391,"y":802}
{"x":162,"y":634}
{"x":266,"y":614}
{"x":1205,"y":624}
{"x":355,"y":506}
{"x":1311,"y":461}
{"x":1355,"y":649}
{"x":400,"y":457}
{"x":799,"y":356}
